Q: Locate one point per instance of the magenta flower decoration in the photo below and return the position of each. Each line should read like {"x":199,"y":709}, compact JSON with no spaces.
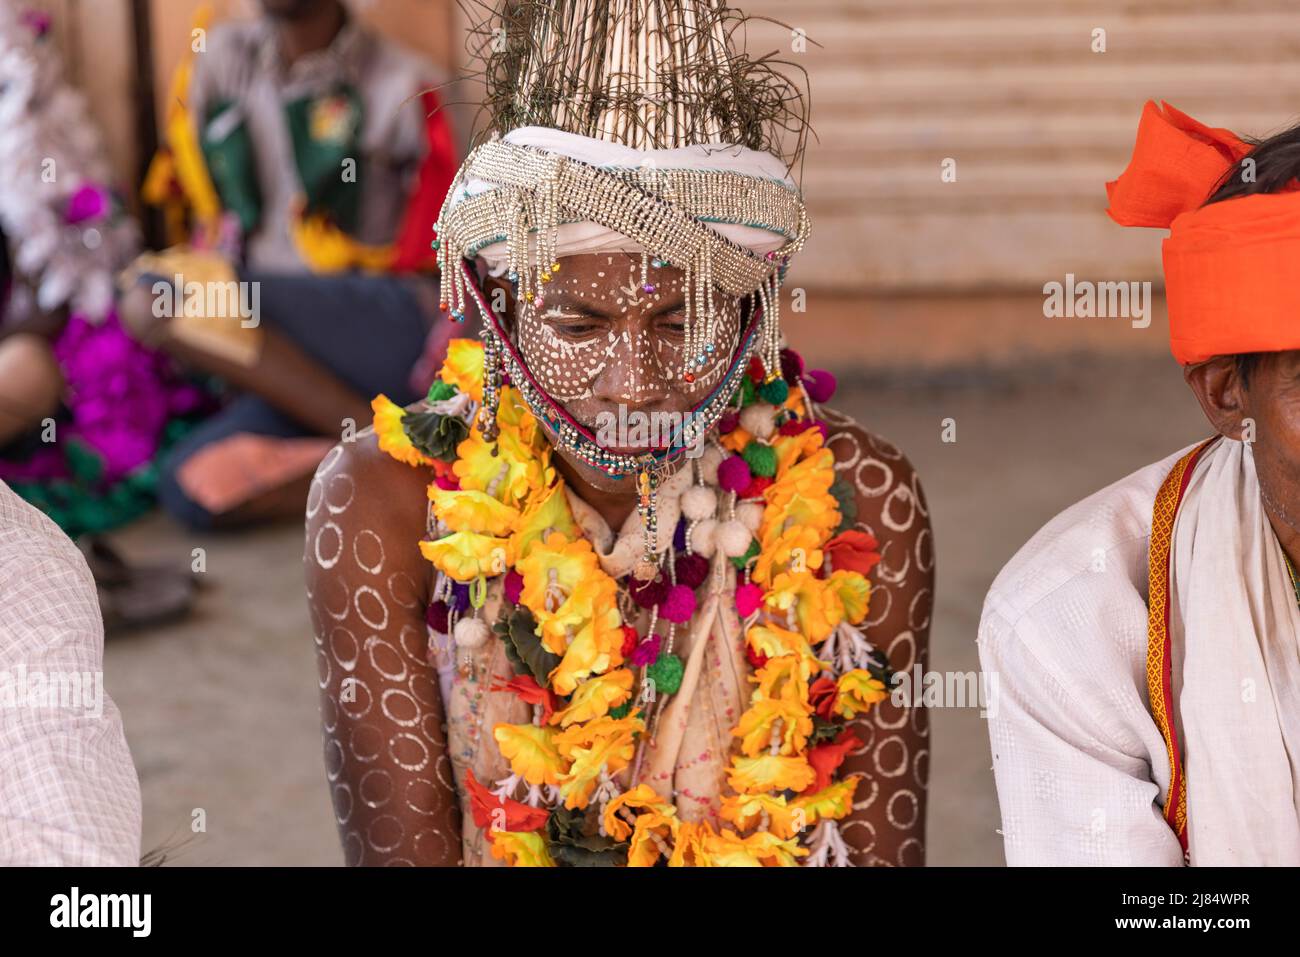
{"x":90,"y":203}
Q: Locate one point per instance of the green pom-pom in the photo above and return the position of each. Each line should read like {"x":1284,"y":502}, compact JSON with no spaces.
{"x":441,"y":390}
{"x":621,"y":711}
{"x":747,"y":393}
{"x":666,"y":673}
{"x":740,"y":561}
{"x":775,"y":392}
{"x":760,"y":458}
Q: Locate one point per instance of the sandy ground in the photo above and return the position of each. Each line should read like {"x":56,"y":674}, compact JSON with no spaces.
{"x":221,"y":711}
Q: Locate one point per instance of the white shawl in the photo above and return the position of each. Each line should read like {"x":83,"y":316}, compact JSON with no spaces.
{"x":1234,"y":626}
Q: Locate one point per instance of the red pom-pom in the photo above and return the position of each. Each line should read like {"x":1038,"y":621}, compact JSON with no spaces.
{"x":820,"y":385}
{"x":795,"y":426}
{"x":734,"y":474}
{"x":648,"y":594}
{"x":629,"y":640}
{"x":756,"y":488}
{"x":791,"y":366}
{"x":679,"y":605}
{"x":691,"y":570}
{"x":514,"y":586}
{"x":728,"y":422}
{"x":748,"y":597}
{"x":755,"y":371}
{"x":435,"y":616}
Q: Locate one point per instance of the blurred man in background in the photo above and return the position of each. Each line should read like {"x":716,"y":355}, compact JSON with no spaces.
{"x":312,"y":157}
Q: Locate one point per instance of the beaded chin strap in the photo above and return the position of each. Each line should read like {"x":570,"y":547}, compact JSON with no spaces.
{"x":502,"y":361}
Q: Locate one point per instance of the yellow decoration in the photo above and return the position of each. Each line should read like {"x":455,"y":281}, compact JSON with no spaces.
{"x":856,"y":692}
{"x":594,"y":697}
{"x":392,"y":437}
{"x":531,"y":752}
{"x":521,"y":849}
{"x":770,"y":772}
{"x":466,"y":556}
{"x":463,"y":367}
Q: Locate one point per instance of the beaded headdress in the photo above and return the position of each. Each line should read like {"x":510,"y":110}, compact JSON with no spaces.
{"x":634,"y":126}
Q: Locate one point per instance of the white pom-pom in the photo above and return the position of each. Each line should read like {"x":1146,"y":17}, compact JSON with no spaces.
{"x":734,"y":538}
{"x":750,"y":514}
{"x":704,"y":538}
{"x":759,"y":420}
{"x":699,"y":502}
{"x":709,"y":463}
{"x":472,"y":633}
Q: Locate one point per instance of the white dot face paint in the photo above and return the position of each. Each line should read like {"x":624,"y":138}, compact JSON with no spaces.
{"x":601,"y":334}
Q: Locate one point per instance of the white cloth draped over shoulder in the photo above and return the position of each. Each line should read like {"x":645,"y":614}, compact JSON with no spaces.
{"x":1081,"y":767}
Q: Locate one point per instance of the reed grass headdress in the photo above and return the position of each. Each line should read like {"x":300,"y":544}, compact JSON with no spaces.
{"x":627,"y":126}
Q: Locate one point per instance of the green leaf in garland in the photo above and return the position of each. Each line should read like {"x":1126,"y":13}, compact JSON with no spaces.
{"x":435,"y":434}
{"x":824,"y":730}
{"x":621,"y":712}
{"x":441,"y":390}
{"x":523,"y":648}
{"x":847,"y":500}
{"x":740,"y":561}
{"x":575,"y":841}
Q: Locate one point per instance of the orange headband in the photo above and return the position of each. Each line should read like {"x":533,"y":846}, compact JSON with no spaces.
{"x":1230,"y":268}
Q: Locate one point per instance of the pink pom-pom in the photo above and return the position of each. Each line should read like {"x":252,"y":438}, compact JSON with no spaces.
{"x":646,"y":653}
{"x":514,"y":586}
{"x":448,"y":483}
{"x":825,"y":429}
{"x":679,"y":605}
{"x":748,"y":598}
{"x":734,"y":474}
{"x":820,"y":385}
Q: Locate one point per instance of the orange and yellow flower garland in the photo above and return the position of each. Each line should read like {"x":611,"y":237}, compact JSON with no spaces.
{"x":504,"y":510}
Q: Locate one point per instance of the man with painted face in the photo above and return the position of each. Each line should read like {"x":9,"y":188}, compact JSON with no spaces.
{"x":621,"y":591}
{"x":1145,"y":639}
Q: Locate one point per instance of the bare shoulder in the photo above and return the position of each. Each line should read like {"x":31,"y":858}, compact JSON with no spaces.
{"x":362,"y":499}
{"x":887,"y":487}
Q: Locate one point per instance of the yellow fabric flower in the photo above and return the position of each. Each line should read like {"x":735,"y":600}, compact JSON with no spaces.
{"x":511,"y":475}
{"x":640,"y":798}
{"x":791,"y":449}
{"x":655,"y":832}
{"x":853,"y":592}
{"x":832,"y":803}
{"x":769,"y":772}
{"x":691,"y":845}
{"x":595,"y":696}
{"x":801,"y":498}
{"x":463,"y":367}
{"x":605,"y":744}
{"x":546,"y":514}
{"x":466,"y":556}
{"x":781,"y":679}
{"x":472,"y":511}
{"x":763,"y":849}
{"x":593,"y":650}
{"x":513,"y":415}
{"x":746,"y":810}
{"x":857,"y":691}
{"x":392,"y":437}
{"x":521,"y":849}
{"x":761,"y":719}
{"x":576,"y":606}
{"x":817,"y":607}
{"x":797,"y":549}
{"x":773,"y":641}
{"x":531,"y":752}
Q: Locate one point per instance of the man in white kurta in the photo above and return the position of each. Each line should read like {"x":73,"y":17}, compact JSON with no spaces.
{"x":1079,"y":761}
{"x":69,"y":794}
